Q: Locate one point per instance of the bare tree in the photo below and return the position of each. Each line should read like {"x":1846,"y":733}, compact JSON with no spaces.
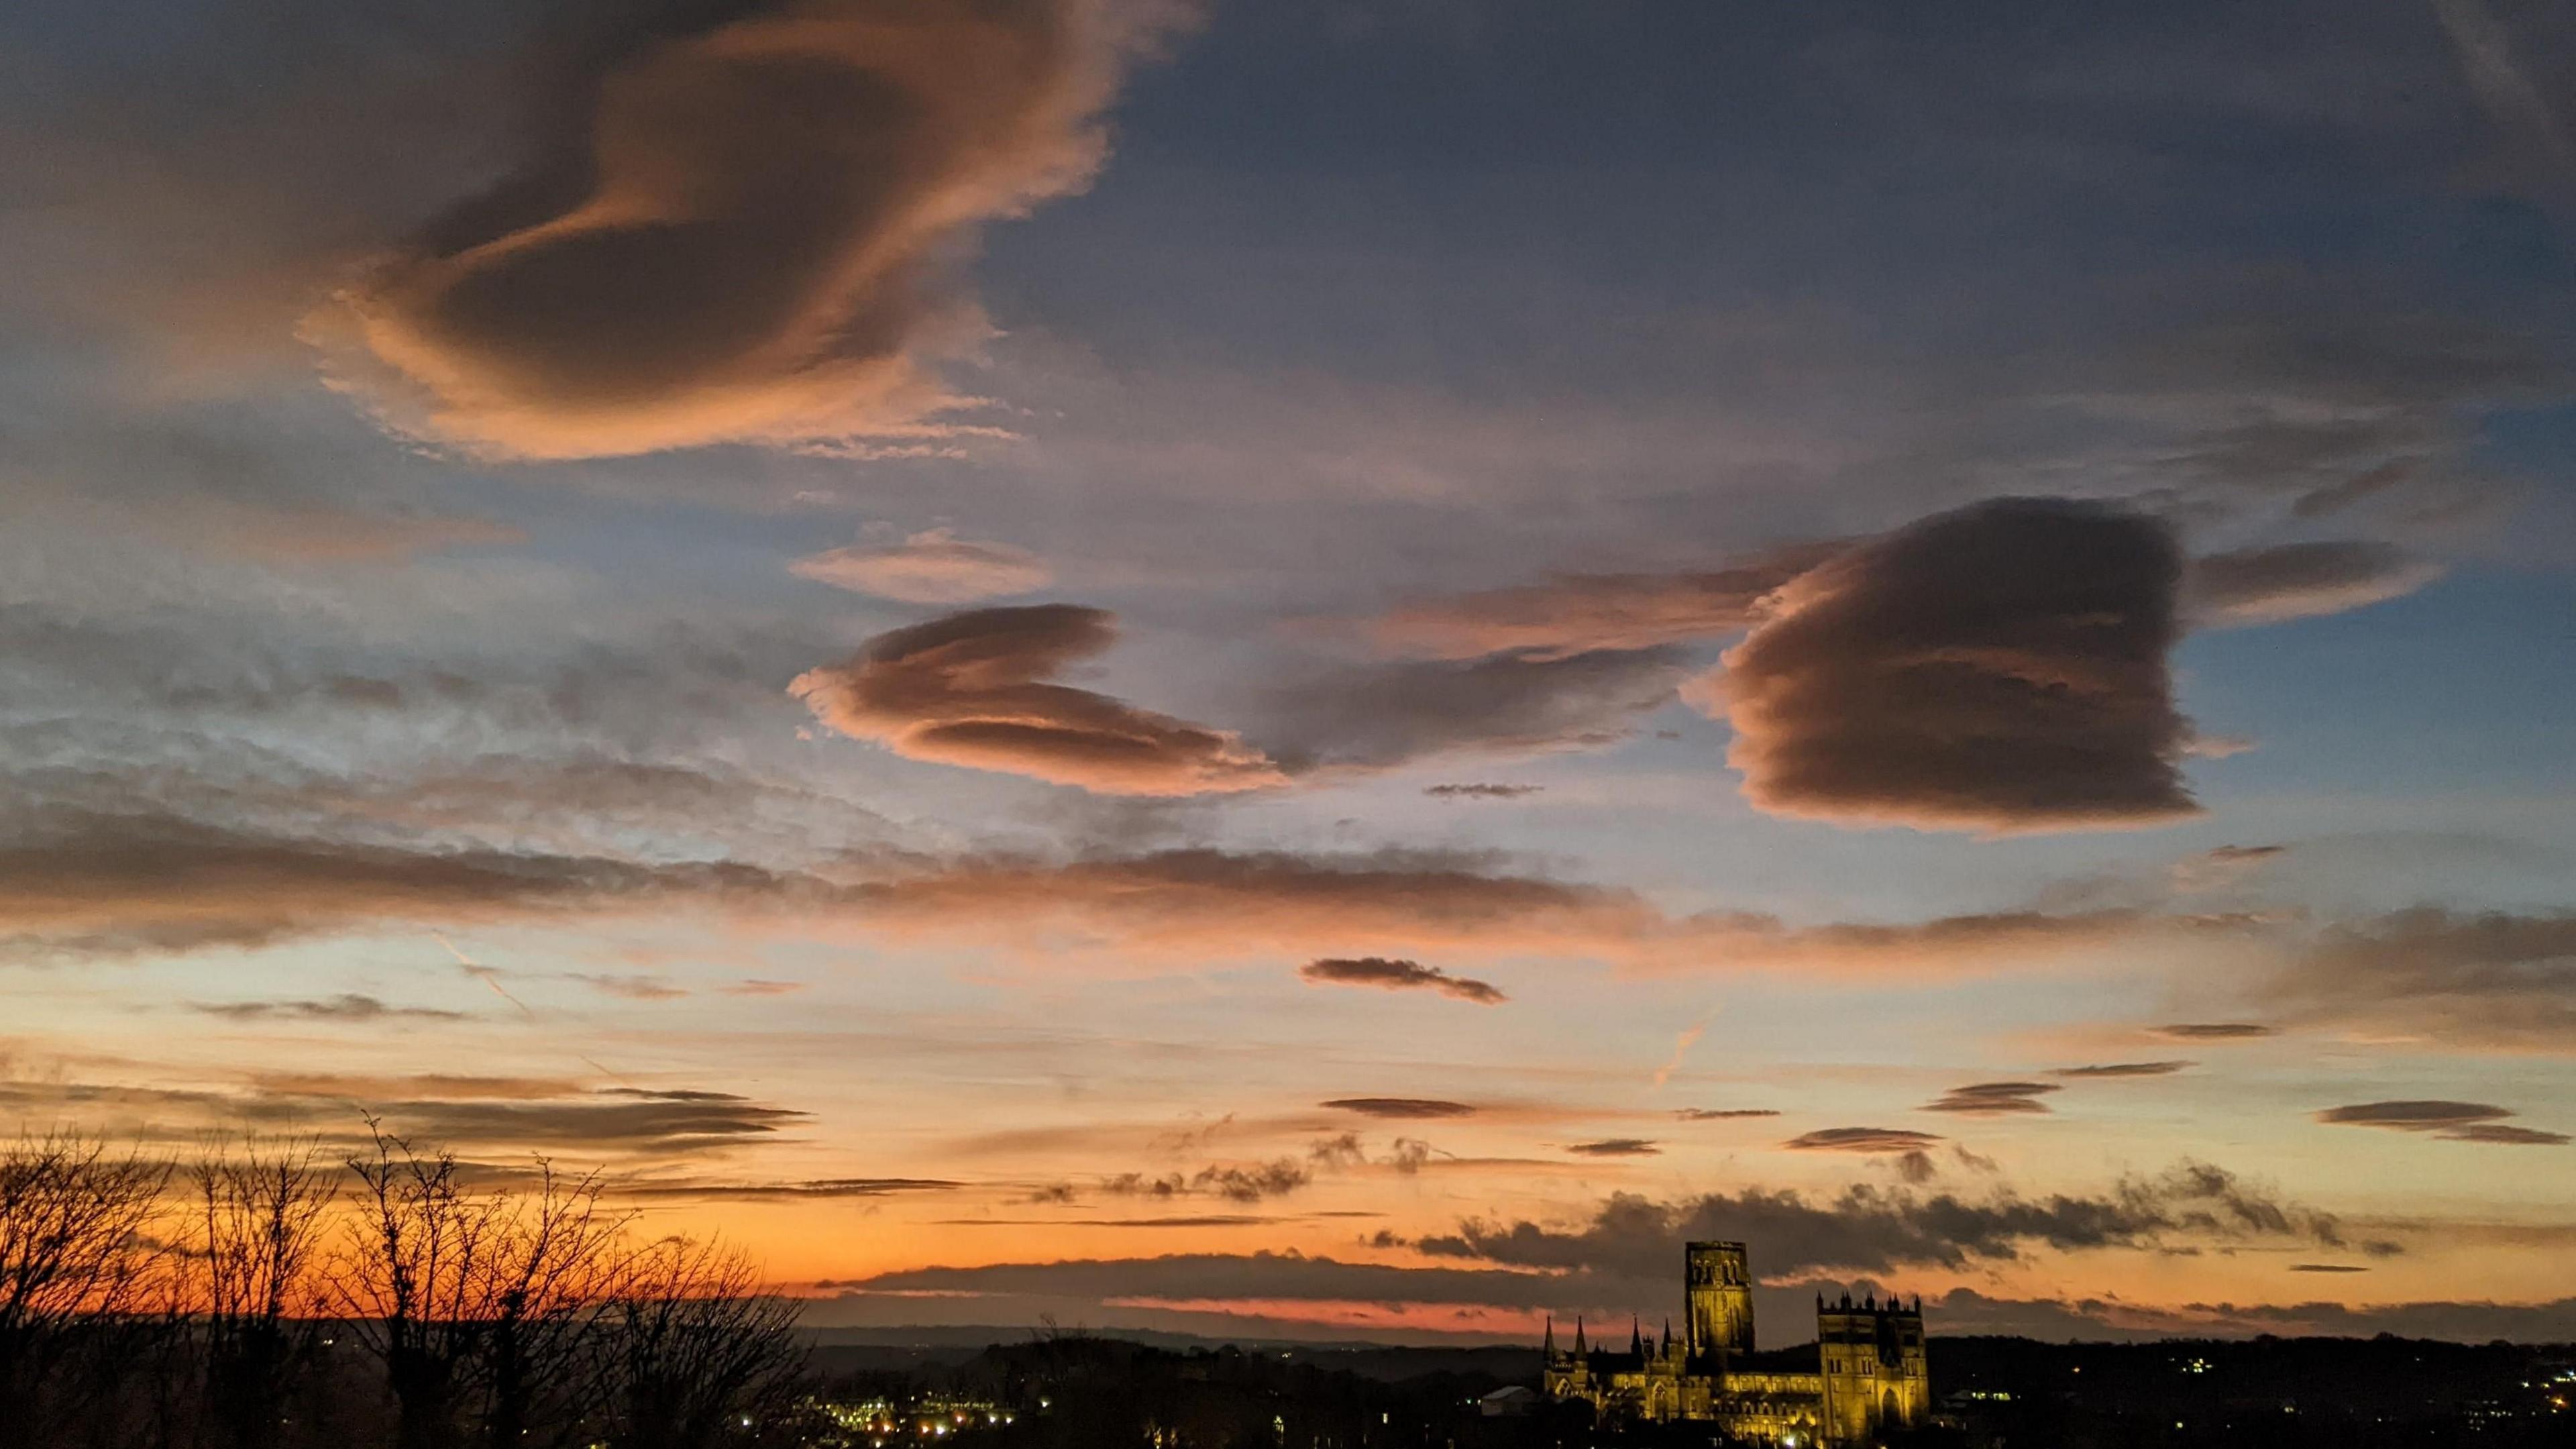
{"x":75,"y":1257}
{"x":552,"y":1265}
{"x":256,"y":1228}
{"x":695,"y":1353}
{"x":412,"y":1282}
{"x":480,"y":1306}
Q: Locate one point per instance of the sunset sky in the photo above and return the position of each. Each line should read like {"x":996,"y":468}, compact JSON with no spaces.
{"x":1324,"y":668}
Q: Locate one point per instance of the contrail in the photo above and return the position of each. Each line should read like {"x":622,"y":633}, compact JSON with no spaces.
{"x":1681,"y":1048}
{"x":612,"y":1076}
{"x":2501,"y":86}
{"x":482,"y":973}
{"x":492,"y":978}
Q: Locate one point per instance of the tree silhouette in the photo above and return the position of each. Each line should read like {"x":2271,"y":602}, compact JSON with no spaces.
{"x":256,"y":1228}
{"x":75,"y":1264}
{"x":696,"y":1354}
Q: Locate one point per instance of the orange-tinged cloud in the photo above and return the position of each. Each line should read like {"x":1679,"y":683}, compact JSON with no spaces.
{"x":971,"y":689}
{"x":1195,"y":906}
{"x":1582,"y":613}
{"x":1189,"y":903}
{"x":931,"y":567}
{"x":95,"y":885}
{"x":339,"y":536}
{"x":118,"y":884}
{"x":752,"y":255}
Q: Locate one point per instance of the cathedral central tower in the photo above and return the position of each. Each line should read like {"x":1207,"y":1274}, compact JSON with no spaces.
{"x":1719,"y":1302}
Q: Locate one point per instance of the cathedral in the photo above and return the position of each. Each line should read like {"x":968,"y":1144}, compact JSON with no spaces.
{"x":1870,"y":1379}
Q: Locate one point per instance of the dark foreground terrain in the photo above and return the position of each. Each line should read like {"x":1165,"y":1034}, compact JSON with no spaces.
{"x":1077,"y":1392}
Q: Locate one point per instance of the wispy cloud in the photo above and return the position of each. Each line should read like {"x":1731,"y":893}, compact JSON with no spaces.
{"x":2302,"y":580}
{"x":347,"y":1007}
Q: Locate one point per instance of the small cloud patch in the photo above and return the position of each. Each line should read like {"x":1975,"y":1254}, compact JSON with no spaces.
{"x":1481,"y":792}
{"x":1723,"y":1114}
{"x":1616,"y":1147}
{"x":1861,"y":1139}
{"x":1395,"y":975}
{"x":1401,"y":1107}
{"x":932,"y":567}
{"x":2213,"y":1031}
{"x":2450,"y":1121}
{"x":1994,"y":1099}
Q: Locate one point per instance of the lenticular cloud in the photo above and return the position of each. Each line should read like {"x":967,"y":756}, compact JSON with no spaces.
{"x":2001,"y":667}
{"x":747,"y":251}
{"x":973,"y":689}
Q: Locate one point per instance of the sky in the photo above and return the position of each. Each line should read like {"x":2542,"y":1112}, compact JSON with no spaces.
{"x":1324,"y":670}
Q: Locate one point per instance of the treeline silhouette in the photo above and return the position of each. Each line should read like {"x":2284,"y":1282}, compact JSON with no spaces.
{"x":270,"y":1295}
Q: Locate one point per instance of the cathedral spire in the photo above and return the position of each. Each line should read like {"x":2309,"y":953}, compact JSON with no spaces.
{"x":1636,"y":1337}
{"x":1549,"y":1347}
{"x":1579,"y":1350}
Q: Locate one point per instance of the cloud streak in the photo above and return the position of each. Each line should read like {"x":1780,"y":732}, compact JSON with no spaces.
{"x":2498,"y":980}
{"x":2301,"y":581}
{"x":1390,"y":712}
{"x":347,"y":1006}
{"x":1585,"y":613}
{"x":90,"y":883}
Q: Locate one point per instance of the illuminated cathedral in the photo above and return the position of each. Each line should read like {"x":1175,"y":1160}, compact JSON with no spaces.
{"x":1871,"y":1378}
